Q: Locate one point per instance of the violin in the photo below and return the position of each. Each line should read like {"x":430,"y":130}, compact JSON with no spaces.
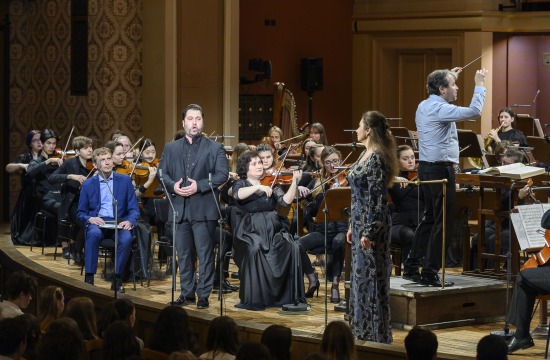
{"x":541,"y":257}
{"x":282,"y":177}
{"x":128,"y":167}
{"x":412,"y":175}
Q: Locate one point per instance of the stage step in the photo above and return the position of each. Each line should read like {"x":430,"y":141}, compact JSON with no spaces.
{"x":472,"y":300}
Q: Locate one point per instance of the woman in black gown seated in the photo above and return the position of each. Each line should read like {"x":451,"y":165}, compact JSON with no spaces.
{"x":263,"y":249}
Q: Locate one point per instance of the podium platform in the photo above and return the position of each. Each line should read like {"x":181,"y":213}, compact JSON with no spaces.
{"x":472,"y":300}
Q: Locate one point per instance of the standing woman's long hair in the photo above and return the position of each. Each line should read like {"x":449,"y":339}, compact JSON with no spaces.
{"x":382,"y":138}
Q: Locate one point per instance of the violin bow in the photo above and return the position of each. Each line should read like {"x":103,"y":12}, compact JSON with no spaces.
{"x":67,"y":144}
{"x":133,"y":146}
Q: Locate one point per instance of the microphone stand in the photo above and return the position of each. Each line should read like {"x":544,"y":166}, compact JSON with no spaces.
{"x":506,"y":333}
{"x":296,"y":306}
{"x":174,"y":216}
{"x":221,"y":223}
{"x":115,"y":206}
{"x":325,"y":212}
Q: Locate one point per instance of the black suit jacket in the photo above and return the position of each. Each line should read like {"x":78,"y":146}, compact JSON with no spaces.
{"x":210,"y":159}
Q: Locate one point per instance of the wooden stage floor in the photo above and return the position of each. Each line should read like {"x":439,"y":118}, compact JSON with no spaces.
{"x":459,"y":341}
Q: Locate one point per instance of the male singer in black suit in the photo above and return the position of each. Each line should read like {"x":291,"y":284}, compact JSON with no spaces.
{"x":189,"y":167}
{"x":529,"y":284}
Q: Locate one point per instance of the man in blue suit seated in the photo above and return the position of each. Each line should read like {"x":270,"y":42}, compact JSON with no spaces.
{"x":96,"y":210}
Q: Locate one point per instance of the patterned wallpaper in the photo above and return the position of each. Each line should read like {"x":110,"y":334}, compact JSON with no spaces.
{"x":40,"y":72}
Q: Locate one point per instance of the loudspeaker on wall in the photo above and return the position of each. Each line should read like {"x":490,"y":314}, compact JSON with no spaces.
{"x":312,"y":74}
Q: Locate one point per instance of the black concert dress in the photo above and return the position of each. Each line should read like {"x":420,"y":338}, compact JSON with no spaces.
{"x":25,"y":208}
{"x":264,"y":251}
{"x":369,"y":302}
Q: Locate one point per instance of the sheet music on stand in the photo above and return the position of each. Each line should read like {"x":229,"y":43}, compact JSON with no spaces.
{"x":526,"y":222}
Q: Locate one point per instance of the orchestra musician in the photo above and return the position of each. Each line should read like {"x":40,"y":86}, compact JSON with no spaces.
{"x":436,"y":121}
{"x":275,"y":136}
{"x":115,"y":134}
{"x":336,"y":230}
{"x":48,"y":195}
{"x":530,"y":283}
{"x":510,"y":156}
{"x":368,"y":235}
{"x":25,"y":207}
{"x":317,"y":133}
{"x":263,"y":247}
{"x":507,"y":120}
{"x":190,"y":167}
{"x":69,"y":176}
{"x":407,"y":205}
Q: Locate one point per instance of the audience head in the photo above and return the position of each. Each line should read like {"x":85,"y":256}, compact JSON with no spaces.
{"x":172,"y":331}
{"x":492,"y":347}
{"x":20,"y":288}
{"x":32,"y":329}
{"x":421,"y":344}
{"x":277,"y":339}
{"x":223,"y":336}
{"x":81,"y":309}
{"x":182,"y":355}
{"x":119,"y":342}
{"x":338,"y":342}
{"x":13,"y":337}
{"x":51,"y":303}
{"x":253,"y":351}
{"x":317,"y":133}
{"x":62,"y":340}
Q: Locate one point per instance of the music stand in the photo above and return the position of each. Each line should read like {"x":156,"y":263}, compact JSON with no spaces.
{"x":336,"y":206}
{"x":471,"y":145}
{"x":528,"y":125}
{"x":350,"y":151}
{"x":541,"y":149}
{"x":403,"y":137}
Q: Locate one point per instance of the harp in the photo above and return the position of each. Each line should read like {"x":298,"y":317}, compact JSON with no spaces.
{"x":284,"y":111}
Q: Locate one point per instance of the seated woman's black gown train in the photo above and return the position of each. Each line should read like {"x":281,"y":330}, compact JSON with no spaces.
{"x":264,"y":252}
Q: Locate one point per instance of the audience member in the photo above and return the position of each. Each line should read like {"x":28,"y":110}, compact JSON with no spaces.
{"x":12,"y":338}
{"x":62,"y":340}
{"x":32,"y":328}
{"x":492,"y":347}
{"x":253,"y":351}
{"x":81,"y":310}
{"x":182,"y":355}
{"x":338,"y":342}
{"x":119,"y":309}
{"x":421,"y":345}
{"x":172,"y":332}
{"x":51,"y":303}
{"x":277,"y":339}
{"x":222,"y":341}
{"x":19,"y":290}
{"x":119,"y":342}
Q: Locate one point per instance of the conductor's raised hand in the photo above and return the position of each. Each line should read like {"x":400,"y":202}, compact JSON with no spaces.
{"x":479,"y":78}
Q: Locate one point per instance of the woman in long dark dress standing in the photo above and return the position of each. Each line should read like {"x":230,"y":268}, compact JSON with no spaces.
{"x":369,"y":233}
{"x":263,"y":248}
{"x":25,"y":208}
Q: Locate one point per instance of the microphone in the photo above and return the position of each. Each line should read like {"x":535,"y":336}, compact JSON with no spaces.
{"x":545,"y":125}
{"x":210,"y":179}
{"x":536,"y":95}
{"x":160,"y":174}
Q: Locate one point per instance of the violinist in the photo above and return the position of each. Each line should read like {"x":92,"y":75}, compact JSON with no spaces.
{"x":70,"y":176}
{"x":407,"y":206}
{"x":117,"y":156}
{"x":530,"y":283}
{"x":511,"y":155}
{"x":25,"y":208}
{"x":126,"y":146}
{"x":116,"y":134}
{"x":336,"y":231}
{"x":149,"y":159}
{"x":275,"y":136}
{"x":262,"y":248}
{"x":267,"y":155}
{"x":507,"y":130}
{"x":317,"y":133}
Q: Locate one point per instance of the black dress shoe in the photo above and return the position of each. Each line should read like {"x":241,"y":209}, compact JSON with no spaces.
{"x":66,"y":254}
{"x":119,"y":287}
{"x":78,"y":259}
{"x":520,"y":344}
{"x":342,"y":307}
{"x":433,"y":280}
{"x":89,"y":279}
{"x":227,"y":284}
{"x":182,"y":300}
{"x":225,"y":289}
{"x":412,"y":276}
{"x":202,"y":303}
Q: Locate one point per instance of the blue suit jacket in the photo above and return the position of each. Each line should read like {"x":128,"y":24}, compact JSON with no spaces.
{"x":90,"y":199}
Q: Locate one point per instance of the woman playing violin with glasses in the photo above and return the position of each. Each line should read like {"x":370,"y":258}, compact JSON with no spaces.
{"x":336,"y":231}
